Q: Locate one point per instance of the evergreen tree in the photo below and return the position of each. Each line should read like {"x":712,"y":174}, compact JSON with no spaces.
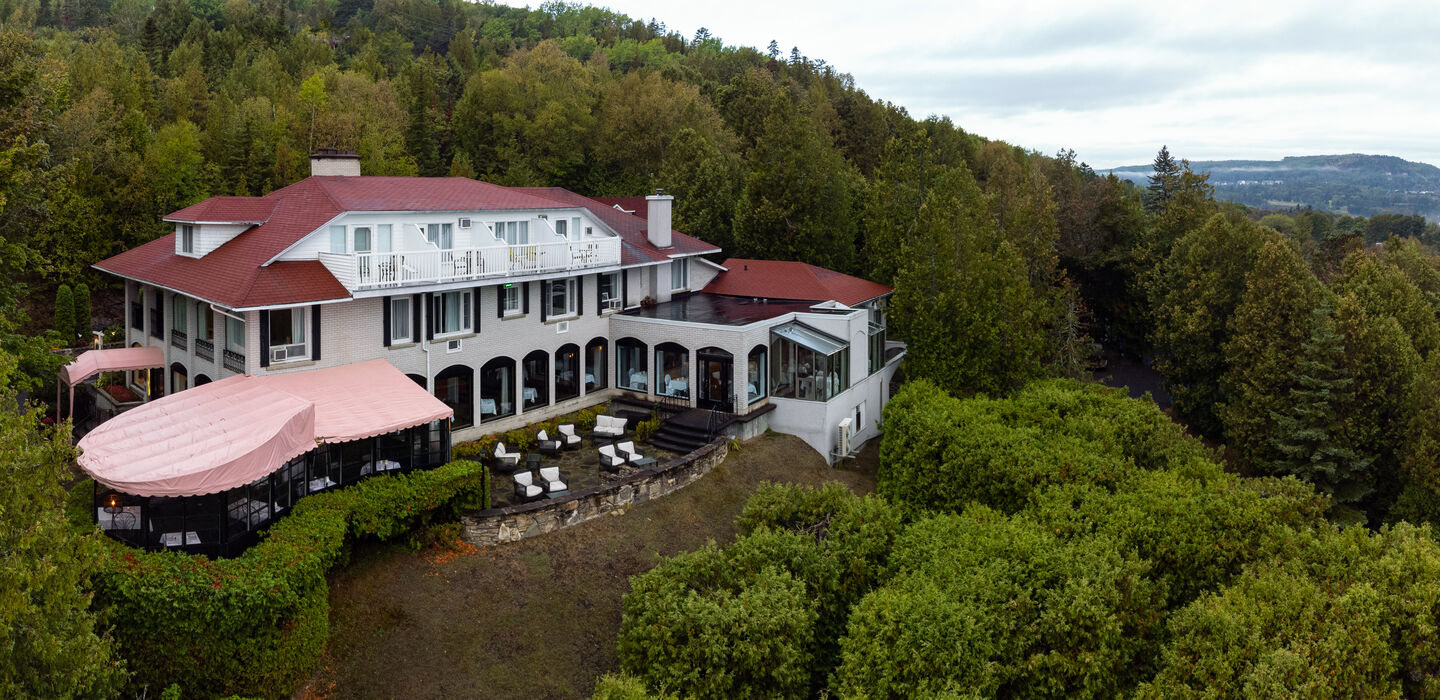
{"x":1306,"y":436}
{"x":84,"y":324}
{"x":704,"y":180}
{"x":1163,"y":183}
{"x":1201,"y":283}
{"x":1268,"y":329}
{"x":460,"y":165}
{"x":65,"y":315}
{"x":420,"y":138}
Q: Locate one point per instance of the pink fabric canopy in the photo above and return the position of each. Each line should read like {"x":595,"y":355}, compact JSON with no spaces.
{"x":231,"y":432}
{"x":92,"y":362}
{"x":361,"y":400}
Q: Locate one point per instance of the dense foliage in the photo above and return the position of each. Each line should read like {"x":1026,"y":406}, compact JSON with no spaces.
{"x":256,"y":624}
{"x":51,"y":644}
{"x":1127,"y":563}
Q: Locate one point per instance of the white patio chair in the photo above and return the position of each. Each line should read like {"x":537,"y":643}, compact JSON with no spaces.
{"x":609,"y":461}
{"x":550,"y":477}
{"x":525,"y":487}
{"x":505,"y":458}
{"x":568,"y":435}
{"x":627,"y":450}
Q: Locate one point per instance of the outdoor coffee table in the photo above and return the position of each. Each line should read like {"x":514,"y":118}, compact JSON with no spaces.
{"x":532,"y":461}
{"x":643,"y":462}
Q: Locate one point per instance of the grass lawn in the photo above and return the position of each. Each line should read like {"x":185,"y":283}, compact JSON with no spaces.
{"x":539,"y":618}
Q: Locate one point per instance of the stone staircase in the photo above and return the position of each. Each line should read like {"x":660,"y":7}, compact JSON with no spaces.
{"x":688,"y":431}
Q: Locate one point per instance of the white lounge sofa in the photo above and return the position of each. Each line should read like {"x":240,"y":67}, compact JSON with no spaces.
{"x":609,"y":426}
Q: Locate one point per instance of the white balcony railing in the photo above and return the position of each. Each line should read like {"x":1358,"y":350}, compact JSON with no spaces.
{"x":379,"y":270}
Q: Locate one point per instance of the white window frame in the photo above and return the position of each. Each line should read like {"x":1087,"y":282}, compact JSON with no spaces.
{"x":444,"y":236}
{"x":519,"y":229}
{"x":231,"y":336}
{"x":187,"y":239}
{"x":463,"y":297}
{"x":679,"y":268}
{"x":291,"y":352}
{"x":570,"y":298}
{"x":519,"y":299}
{"x":401,"y":332}
{"x":369,"y":239}
{"x":339,"y":239}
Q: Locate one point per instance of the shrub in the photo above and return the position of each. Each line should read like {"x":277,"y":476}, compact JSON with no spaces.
{"x":256,"y":624}
{"x":622,"y":687}
{"x":721,"y":624}
{"x":994,"y":606}
{"x":942,"y":453}
{"x":646,"y":428}
{"x":65,"y":315}
{"x":1350,"y":614}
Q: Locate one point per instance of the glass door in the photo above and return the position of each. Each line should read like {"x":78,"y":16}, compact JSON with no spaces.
{"x":715,"y":380}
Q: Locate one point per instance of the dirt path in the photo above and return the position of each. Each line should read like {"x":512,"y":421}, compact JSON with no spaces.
{"x":534,"y":619}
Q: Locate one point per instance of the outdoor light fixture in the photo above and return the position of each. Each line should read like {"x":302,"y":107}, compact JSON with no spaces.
{"x":112,"y":504}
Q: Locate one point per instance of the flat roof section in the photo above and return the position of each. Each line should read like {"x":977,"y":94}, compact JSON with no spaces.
{"x":719,"y":310}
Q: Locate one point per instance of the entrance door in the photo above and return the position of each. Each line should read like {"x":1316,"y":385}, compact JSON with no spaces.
{"x":715,"y":380}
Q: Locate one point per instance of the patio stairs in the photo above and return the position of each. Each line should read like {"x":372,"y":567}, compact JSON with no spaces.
{"x":688,"y":431}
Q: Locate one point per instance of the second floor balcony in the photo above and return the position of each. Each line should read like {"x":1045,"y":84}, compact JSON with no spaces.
{"x":364,"y":271}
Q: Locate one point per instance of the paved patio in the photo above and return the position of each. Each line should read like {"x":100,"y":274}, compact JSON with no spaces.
{"x":579,"y":469}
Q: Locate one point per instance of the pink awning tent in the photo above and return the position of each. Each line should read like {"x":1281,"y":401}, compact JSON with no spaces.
{"x":92,"y":362}
{"x":231,"y":432}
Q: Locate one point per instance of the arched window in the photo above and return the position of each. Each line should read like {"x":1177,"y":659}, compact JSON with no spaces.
{"x":179,"y":377}
{"x":497,"y":389}
{"x":201,"y":380}
{"x":715,"y":379}
{"x":567,"y":372}
{"x":672,"y":370}
{"x":633,"y":371}
{"x":597,"y":373}
{"x":419,"y":379}
{"x":455,"y":386}
{"x":535,"y":383}
{"x":755,"y":371}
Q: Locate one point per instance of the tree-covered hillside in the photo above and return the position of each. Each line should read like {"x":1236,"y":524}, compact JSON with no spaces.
{"x":1354,"y":184}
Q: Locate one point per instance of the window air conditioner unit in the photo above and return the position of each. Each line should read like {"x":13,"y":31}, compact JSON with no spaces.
{"x":452,"y":346}
{"x":277,"y":354}
{"x":562,"y":327}
{"x":465,"y":222}
{"x":611,"y":304}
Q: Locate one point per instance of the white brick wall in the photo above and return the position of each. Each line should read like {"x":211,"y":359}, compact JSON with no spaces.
{"x":352,"y":331}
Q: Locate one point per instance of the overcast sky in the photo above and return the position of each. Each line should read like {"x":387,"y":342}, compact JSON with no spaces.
{"x":1213,"y":80}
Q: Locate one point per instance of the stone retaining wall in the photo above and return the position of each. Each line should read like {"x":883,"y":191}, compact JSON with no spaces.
{"x":515,"y":523}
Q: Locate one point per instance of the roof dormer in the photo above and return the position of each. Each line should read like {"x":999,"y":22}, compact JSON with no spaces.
{"x":203,"y":227}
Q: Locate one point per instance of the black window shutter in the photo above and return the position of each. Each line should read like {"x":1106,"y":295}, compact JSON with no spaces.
{"x":475,"y":309}
{"x":624,"y":288}
{"x":315,"y":332}
{"x":580,"y":295}
{"x":429,"y":316}
{"x":499,"y":301}
{"x":545,"y":301}
{"x":385,"y":319}
{"x":525,"y":296}
{"x":415,"y":302}
{"x":264,"y":338}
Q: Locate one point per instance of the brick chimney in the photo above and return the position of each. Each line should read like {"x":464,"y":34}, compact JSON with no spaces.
{"x":657,"y":218}
{"x":333,"y":161}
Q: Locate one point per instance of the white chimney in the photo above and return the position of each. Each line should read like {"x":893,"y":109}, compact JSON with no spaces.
{"x":333,"y":161}
{"x":657,"y":218}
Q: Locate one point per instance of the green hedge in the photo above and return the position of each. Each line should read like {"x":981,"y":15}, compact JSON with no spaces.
{"x":941,"y":453}
{"x":256,"y":624}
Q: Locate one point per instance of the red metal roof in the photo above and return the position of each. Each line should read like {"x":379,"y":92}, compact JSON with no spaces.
{"x":235,"y":274}
{"x":779,"y":279}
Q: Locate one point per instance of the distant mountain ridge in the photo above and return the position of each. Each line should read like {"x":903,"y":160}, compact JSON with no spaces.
{"x":1354,"y":183}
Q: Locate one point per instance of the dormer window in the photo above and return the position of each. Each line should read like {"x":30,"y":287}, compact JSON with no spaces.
{"x":187,"y":239}
{"x":568,"y":228}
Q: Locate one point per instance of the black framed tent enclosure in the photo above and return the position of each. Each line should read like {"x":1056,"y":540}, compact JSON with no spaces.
{"x":227,"y":523}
